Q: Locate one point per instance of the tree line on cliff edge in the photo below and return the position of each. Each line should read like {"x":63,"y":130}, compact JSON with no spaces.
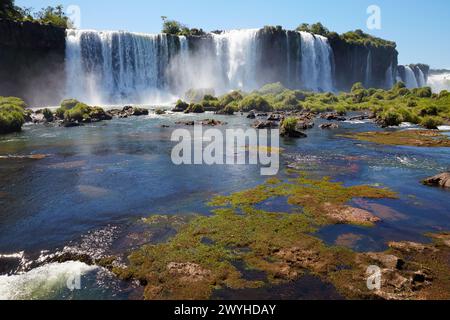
{"x":49,"y":15}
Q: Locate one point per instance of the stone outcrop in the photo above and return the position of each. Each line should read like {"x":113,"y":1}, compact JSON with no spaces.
{"x":440,"y":180}
{"x":32,"y":61}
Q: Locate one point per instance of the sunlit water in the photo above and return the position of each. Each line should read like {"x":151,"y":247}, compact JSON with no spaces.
{"x":97,"y":181}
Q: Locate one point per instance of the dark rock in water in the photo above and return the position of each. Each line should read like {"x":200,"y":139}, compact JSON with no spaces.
{"x":139,"y":112}
{"x":265,"y":125}
{"x":262,"y":115}
{"x":211,"y":122}
{"x":165,"y":126}
{"x":360,"y":117}
{"x":329,"y":126}
{"x":332,"y":116}
{"x":304,"y":125}
{"x":185,"y":123}
{"x":251,"y":115}
{"x":275,"y":117}
{"x":440,"y":180}
{"x":71,"y":124}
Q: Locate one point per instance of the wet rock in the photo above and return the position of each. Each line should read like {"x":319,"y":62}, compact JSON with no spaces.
{"x":301,"y":258}
{"x":185,"y":123}
{"x":188,"y":272}
{"x":360,"y":117}
{"x":329,"y":126}
{"x":275,"y":117}
{"x":251,"y":115}
{"x":265,"y":125}
{"x":347,"y":214}
{"x":387,"y":260}
{"x":332,"y":116}
{"x":440,"y":180}
{"x":71,"y":124}
{"x":407,"y":246}
{"x":165,"y":126}
{"x":305,"y":125}
{"x":212,"y":122}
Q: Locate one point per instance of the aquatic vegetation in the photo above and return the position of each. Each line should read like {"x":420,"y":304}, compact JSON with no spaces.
{"x":279,"y":244}
{"x":254,"y":102}
{"x":415,"y":138}
{"x":12,"y":114}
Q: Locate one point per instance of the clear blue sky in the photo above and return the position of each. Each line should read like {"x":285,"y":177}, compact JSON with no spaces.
{"x":420,"y":28}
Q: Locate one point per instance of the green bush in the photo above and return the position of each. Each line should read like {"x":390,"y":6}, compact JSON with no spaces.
{"x":272,"y":88}
{"x":11,"y":118}
{"x":81,"y":112}
{"x":429,"y":110}
{"x":391,"y":117}
{"x":195,"y":108}
{"x":357,"y":86}
{"x":181,"y":106}
{"x":255,"y":102}
{"x":197,"y":95}
{"x":423,"y":92}
{"x":12,"y":101}
{"x":430,"y":122}
{"x":233,"y":96}
{"x":48,"y":115}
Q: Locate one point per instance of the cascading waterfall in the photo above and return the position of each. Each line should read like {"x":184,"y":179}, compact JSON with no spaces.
{"x":115,"y":67}
{"x":421,"y":81}
{"x":236,"y":52}
{"x":123,"y":67}
{"x":389,"y":77}
{"x":316,"y":63}
{"x":410,"y":78}
{"x":368,"y":80}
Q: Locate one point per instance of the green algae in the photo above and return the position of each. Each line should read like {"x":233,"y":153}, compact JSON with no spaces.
{"x":415,"y":138}
{"x":280,"y":244}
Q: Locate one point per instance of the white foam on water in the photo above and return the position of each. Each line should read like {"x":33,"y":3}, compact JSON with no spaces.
{"x":44,"y":282}
{"x":444,"y":128}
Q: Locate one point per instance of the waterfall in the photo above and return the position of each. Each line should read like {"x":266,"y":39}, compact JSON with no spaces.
{"x":236,"y":51}
{"x":410,"y":78}
{"x":368,"y":80}
{"x":389,"y":77}
{"x":122,"y":67}
{"x":316,"y":63}
{"x":421,"y":78}
{"x":115,"y":67}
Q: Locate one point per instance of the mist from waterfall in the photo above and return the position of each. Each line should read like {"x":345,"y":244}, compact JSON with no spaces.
{"x":439,"y":82}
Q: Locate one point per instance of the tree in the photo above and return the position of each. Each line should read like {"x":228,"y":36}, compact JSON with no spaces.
{"x":54,"y":16}
{"x":316,"y":28}
{"x":8,"y":10}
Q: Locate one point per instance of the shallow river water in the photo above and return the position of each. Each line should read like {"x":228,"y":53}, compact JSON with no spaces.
{"x":95,"y":183}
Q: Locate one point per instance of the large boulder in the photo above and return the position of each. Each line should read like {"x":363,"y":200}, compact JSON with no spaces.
{"x":440,"y":180}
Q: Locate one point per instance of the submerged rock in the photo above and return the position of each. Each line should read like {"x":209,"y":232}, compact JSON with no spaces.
{"x":332,"y":116}
{"x":440,"y":180}
{"x":265,"y":125}
{"x":329,"y":126}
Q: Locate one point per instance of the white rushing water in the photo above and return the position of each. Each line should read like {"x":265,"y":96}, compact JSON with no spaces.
{"x":316,"y":62}
{"x":410,"y":78}
{"x":45,"y":282}
{"x":122,"y":67}
{"x":439,"y":82}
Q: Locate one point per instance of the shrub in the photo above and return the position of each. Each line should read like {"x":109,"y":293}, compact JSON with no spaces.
{"x":430,"y":122}
{"x":69,"y":103}
{"x":181,"y":106}
{"x":233,"y":96}
{"x":81,"y":112}
{"x":423,"y":92}
{"x":357,"y":86}
{"x":272,"y":88}
{"x":195,"y":108}
{"x":391,"y":117}
{"x":197,"y":95}
{"x":254,"y":102}
{"x":48,"y":115}
{"x":429,"y":110}
{"x":12,"y":101}
{"x":11,"y":118}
